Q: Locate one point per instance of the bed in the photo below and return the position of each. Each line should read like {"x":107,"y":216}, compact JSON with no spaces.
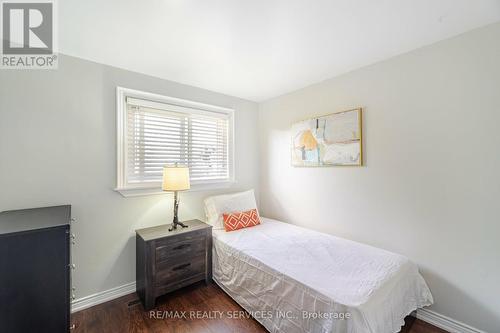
{"x":293,"y":279}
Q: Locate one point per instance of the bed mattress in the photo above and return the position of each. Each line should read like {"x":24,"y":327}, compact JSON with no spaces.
{"x":293,"y":279}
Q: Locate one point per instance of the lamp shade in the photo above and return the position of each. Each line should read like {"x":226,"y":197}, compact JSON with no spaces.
{"x":175,"y":178}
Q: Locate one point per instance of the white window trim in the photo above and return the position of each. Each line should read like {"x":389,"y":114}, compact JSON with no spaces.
{"x":121,"y":153}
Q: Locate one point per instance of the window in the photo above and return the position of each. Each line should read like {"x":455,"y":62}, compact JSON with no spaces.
{"x":154,"y":131}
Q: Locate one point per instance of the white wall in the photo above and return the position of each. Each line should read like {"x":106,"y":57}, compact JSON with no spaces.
{"x":58,"y":146}
{"x":431,"y":185}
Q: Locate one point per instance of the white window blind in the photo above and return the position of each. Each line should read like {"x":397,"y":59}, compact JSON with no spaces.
{"x":159,"y":134}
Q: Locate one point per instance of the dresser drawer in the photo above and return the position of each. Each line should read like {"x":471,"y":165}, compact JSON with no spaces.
{"x":181,"y":248}
{"x":170,"y":272}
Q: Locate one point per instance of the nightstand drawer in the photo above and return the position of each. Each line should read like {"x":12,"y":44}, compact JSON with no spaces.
{"x":186,"y":235}
{"x":183,"y":248}
{"x":170,"y":272}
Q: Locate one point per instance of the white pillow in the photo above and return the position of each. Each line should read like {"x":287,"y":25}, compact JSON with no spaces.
{"x":217,"y":205}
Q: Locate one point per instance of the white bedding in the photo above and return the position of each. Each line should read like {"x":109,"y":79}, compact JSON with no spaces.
{"x":281,"y":267}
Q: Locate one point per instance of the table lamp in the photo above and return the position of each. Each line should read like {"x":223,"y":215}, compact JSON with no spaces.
{"x":176,"y":178}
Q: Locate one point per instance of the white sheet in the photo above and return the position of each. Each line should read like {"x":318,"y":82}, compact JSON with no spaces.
{"x":281,"y":267}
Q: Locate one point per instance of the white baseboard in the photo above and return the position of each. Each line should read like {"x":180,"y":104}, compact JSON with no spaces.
{"x":446,"y":323}
{"x":429,"y":316}
{"x":103,"y":296}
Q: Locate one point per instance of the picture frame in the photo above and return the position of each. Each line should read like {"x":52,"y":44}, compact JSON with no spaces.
{"x":334,"y":139}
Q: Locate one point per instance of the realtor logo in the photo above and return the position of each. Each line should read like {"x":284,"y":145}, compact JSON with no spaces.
{"x":28,"y":32}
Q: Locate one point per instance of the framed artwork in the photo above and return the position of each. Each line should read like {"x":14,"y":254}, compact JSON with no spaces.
{"x":331,"y":140}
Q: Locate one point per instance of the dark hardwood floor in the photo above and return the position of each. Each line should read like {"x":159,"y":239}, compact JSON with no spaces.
{"x":126,"y":315}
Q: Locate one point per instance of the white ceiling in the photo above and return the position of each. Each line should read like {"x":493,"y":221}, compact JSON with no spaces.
{"x":258,"y":49}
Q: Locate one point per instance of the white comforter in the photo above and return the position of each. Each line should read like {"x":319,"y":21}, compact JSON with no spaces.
{"x":281,"y":267}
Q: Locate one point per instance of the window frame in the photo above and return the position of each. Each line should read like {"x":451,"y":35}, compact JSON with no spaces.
{"x":128,"y":189}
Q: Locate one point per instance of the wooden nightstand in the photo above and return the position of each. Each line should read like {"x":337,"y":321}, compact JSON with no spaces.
{"x":166,"y":261}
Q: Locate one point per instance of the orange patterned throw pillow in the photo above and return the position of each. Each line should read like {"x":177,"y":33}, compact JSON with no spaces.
{"x":240,"y":220}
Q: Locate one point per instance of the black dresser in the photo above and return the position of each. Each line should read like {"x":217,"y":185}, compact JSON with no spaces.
{"x":35,"y":271}
{"x":169,"y":260}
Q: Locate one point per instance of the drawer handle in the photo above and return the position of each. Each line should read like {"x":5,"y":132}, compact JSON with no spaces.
{"x":181,"y":267}
{"x":182,"y":246}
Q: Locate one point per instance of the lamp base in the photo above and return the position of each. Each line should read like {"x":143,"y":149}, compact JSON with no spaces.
{"x":175,"y":224}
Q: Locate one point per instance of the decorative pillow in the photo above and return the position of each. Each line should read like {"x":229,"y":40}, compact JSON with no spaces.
{"x":235,"y":221}
{"x":227,"y":203}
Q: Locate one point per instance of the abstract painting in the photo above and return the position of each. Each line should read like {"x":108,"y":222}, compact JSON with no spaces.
{"x":330,"y":140}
